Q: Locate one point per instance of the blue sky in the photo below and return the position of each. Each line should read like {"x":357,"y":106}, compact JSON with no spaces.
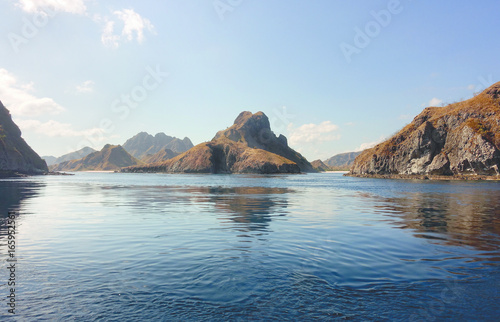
{"x":333,"y":76}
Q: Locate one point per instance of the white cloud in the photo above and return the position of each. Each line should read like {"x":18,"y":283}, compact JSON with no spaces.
{"x":133,"y":23}
{"x":308,"y":133}
{"x":85,"y":87}
{"x":368,"y":145}
{"x":19,"y":101}
{"x":55,"y":129}
{"x":70,"y":6}
{"x":435,"y":102}
{"x":471,"y":87}
{"x":108,"y":38}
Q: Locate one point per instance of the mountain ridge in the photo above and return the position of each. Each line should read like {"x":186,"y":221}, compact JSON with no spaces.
{"x":143,"y":144}
{"x":83,"y":152}
{"x":342,"y":161}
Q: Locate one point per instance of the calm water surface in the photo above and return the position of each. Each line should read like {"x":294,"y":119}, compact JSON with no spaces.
{"x":238,"y":247}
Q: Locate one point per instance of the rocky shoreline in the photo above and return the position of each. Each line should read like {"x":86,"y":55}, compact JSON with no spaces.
{"x":458,"y":177}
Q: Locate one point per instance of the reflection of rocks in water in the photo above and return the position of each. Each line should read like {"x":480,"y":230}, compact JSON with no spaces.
{"x":12,"y":193}
{"x":472,"y":219}
{"x":246,"y":208}
{"x":252,"y":207}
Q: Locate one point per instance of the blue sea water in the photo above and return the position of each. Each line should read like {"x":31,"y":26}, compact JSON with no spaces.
{"x":139,"y":247}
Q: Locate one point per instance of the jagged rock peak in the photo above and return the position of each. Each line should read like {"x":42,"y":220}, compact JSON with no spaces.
{"x":251,"y":129}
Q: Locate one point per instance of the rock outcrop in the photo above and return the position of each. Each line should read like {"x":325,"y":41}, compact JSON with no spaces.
{"x":248,"y":146}
{"x":15,"y":154}
{"x":144,"y":144}
{"x":111,"y":157}
{"x":319,"y":165}
{"x":459,"y":139}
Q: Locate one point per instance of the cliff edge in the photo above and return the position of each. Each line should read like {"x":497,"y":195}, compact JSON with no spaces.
{"x":457,"y":140}
{"x":15,"y":154}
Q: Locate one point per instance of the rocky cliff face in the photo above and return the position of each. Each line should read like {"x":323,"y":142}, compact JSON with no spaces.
{"x":459,"y":139}
{"x":15,"y":154}
{"x":248,"y":146}
{"x":111,"y":157}
{"x":144,"y":144}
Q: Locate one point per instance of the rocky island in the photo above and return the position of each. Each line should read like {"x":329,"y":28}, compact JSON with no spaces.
{"x":459,"y":141}
{"x":248,"y":146}
{"x":16,"y":156}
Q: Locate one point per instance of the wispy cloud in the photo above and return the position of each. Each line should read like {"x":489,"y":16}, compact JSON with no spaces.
{"x":123,"y":25}
{"x":132,"y":24}
{"x":108,"y":38}
{"x":70,"y":6}
{"x":55,"y":129}
{"x":435,"y":102}
{"x":368,"y":145}
{"x":85,"y":87}
{"x":18,"y":99}
{"x":308,"y":133}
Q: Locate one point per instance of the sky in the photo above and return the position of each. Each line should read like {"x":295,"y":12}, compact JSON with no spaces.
{"x":333,"y":76}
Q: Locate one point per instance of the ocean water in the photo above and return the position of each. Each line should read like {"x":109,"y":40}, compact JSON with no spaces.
{"x":139,"y":247}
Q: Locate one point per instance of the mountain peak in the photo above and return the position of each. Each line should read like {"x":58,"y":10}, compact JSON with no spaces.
{"x":252,"y":129}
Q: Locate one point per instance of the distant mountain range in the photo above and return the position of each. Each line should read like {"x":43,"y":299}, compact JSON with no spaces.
{"x":111,"y":157}
{"x":144,"y":144}
{"x":342,"y":161}
{"x":150,"y":149}
{"x":70,"y":156}
{"x":16,"y":156}
{"x":248,"y":146}
{"x":160,"y":156}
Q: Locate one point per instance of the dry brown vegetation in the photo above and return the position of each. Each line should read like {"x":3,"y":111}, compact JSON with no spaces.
{"x":481,"y":113}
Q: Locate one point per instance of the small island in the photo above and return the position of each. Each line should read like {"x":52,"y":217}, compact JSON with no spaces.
{"x":248,"y":146}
